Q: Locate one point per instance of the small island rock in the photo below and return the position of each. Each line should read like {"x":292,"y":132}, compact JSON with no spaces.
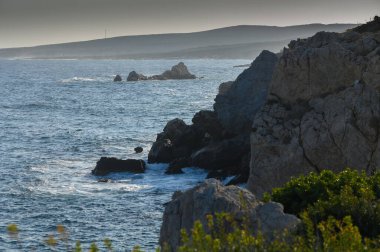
{"x":117,"y":78}
{"x":106,"y":165}
{"x":134,"y":76}
{"x":177,"y":72}
{"x":139,"y":149}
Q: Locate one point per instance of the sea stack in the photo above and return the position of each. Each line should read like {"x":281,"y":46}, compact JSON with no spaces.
{"x":117,"y":78}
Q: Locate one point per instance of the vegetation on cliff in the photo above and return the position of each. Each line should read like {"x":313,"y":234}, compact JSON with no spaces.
{"x":339,"y":212}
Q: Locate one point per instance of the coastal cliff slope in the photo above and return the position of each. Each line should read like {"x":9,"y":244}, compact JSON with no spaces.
{"x":322,"y":111}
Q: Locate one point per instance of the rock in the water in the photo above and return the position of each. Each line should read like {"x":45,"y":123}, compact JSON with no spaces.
{"x":212,"y":197}
{"x":175,"y":167}
{"x":178,"y":72}
{"x":238,"y":102}
{"x":106,"y":165}
{"x":176,"y":141}
{"x":214,"y":141}
{"x":139,"y":149}
{"x":117,"y":78}
{"x":133,"y":76}
{"x":322,"y":112}
{"x":104,"y":180}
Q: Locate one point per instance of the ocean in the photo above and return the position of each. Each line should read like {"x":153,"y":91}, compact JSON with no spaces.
{"x":58,"y":117}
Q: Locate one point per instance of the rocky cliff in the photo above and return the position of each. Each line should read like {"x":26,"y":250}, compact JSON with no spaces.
{"x":322,"y":111}
{"x":219,"y":140}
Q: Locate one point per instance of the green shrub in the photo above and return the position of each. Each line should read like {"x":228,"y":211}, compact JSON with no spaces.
{"x":336,"y":235}
{"x":349,"y":193}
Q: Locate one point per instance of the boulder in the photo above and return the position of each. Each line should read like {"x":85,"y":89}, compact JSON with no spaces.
{"x":134,"y":76}
{"x":212,"y":197}
{"x":322,"y":111}
{"x":106,"y":165}
{"x":117,"y":78}
{"x":238,"y":102}
{"x":138,"y":149}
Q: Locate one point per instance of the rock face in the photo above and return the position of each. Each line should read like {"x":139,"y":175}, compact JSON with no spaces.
{"x":106,"y":165}
{"x":323,"y":109}
{"x":117,"y":78}
{"x":238,"y":102}
{"x":212,"y":197}
{"x":178,"y":72}
{"x":219,"y":139}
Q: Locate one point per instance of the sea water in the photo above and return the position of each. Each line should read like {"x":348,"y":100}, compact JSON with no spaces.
{"x":58,"y":117}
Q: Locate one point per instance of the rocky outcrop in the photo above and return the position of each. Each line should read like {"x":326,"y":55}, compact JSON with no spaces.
{"x":117,"y":78}
{"x":107,"y":165}
{"x":238,"y":102}
{"x":212,"y":197}
{"x":219,"y":139}
{"x":323,"y":109}
{"x":177,"y":72}
{"x":133,"y":76}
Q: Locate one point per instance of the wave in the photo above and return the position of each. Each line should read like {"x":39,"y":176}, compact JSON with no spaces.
{"x":79,"y":79}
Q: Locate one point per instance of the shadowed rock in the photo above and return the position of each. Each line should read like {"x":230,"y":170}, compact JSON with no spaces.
{"x":138,"y":149}
{"x":106,"y":165}
{"x":219,"y":140}
{"x":175,"y":166}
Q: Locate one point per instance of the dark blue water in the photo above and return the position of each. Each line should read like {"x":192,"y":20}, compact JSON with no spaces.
{"x":57,"y":118}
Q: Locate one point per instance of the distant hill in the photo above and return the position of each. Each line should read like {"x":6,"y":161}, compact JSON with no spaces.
{"x":237,"y":42}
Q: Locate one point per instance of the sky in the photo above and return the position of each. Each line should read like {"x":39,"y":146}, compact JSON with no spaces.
{"x":36,"y":22}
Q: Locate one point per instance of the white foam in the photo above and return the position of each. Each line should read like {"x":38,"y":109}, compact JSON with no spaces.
{"x":78,"y":79}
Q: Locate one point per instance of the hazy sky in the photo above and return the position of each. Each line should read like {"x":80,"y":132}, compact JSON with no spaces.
{"x":33,"y":22}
